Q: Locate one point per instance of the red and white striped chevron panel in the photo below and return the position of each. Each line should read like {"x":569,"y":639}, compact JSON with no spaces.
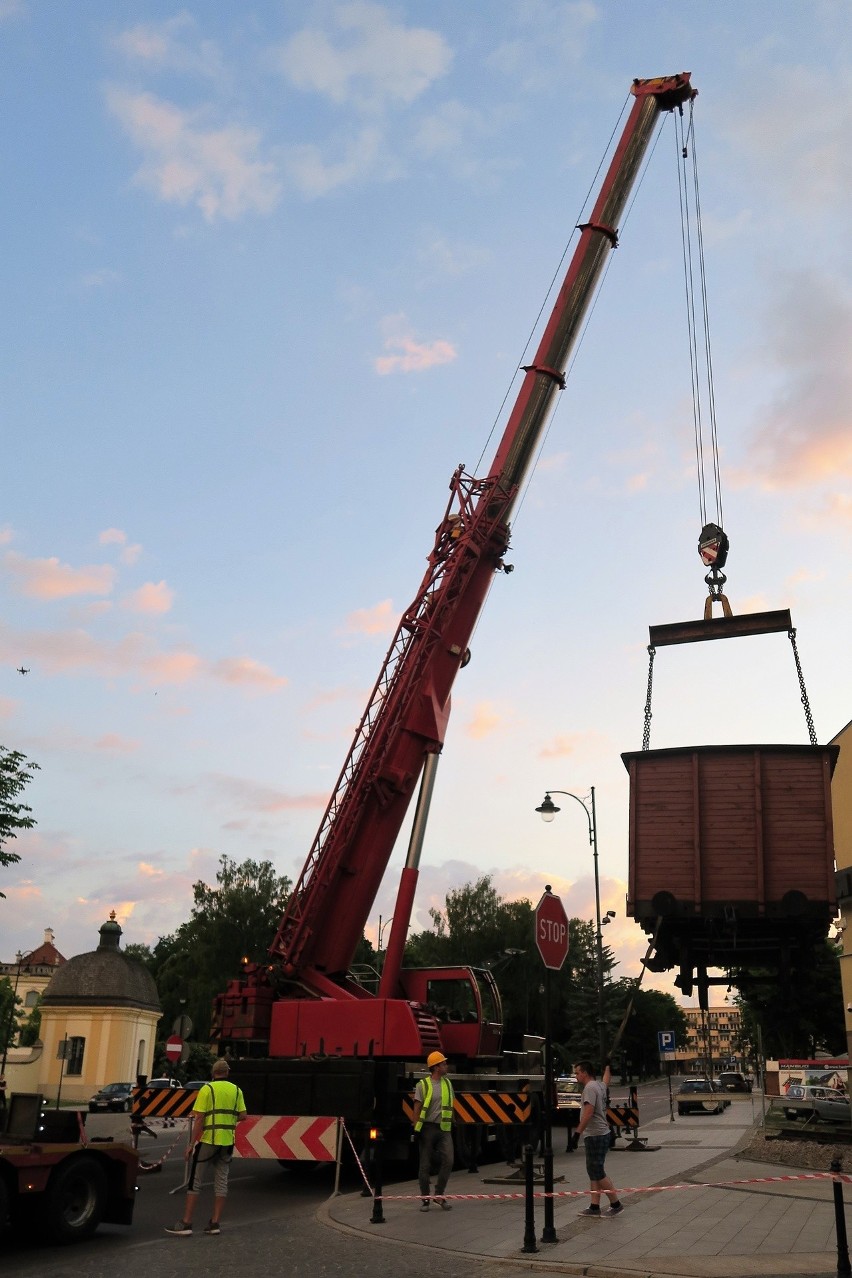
{"x":284,"y":1136}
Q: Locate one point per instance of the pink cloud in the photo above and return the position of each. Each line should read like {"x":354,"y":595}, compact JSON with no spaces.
{"x":8,"y":706}
{"x":150,"y":871}
{"x":259,"y":798}
{"x":246,"y":671}
{"x":135,"y":654}
{"x":173,"y":667}
{"x":186,"y":163}
{"x":113,"y":744}
{"x":558,"y":748}
{"x":154,"y":598}
{"x":112,"y":536}
{"x":415,"y":357}
{"x":805,"y":436}
{"x":49,"y":579}
{"x":378,"y":620}
{"x":485,"y":721}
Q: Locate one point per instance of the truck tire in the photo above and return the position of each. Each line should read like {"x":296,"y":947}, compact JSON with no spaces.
{"x":75,"y":1200}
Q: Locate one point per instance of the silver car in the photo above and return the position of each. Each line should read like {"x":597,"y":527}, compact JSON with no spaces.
{"x":829,"y":1104}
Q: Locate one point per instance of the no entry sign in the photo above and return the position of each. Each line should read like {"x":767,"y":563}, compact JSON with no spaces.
{"x":174,"y":1047}
{"x":551,"y":931}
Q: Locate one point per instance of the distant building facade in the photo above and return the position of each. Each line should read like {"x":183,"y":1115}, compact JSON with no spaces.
{"x":99,"y":1016}
{"x":30,"y":973}
{"x":841,"y":805}
{"x":714,"y":1041}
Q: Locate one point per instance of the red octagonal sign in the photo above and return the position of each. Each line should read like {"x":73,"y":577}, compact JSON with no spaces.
{"x":174,"y":1047}
{"x":551,"y":931}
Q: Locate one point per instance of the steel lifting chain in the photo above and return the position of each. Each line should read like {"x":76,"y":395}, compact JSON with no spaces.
{"x":646,"y":736}
{"x":805,"y":702}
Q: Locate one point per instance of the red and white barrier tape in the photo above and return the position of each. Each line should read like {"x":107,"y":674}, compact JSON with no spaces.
{"x":640,"y":1189}
{"x":145,"y":1166}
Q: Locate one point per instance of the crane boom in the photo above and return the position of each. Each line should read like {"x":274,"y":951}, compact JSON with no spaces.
{"x":406,"y":717}
{"x":407,"y":713}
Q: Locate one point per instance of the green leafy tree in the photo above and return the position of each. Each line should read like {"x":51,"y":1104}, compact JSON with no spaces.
{"x":31,"y":1031}
{"x":197,"y":1065}
{"x":233,"y":920}
{"x":479,"y":928}
{"x":798,"y":1013}
{"x":144,"y":953}
{"x":14,"y":816}
{"x":650,"y":1012}
{"x":10,"y":1014}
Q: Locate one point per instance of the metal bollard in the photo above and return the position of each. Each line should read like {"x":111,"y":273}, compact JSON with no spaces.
{"x":377,"y":1160}
{"x":843,"y":1267}
{"x":529,"y":1201}
{"x":548,"y":1233}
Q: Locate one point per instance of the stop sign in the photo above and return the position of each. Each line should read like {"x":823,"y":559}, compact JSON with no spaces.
{"x":551,"y":931}
{"x":174,"y":1047}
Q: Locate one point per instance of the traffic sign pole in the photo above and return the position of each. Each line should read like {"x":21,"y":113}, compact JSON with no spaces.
{"x":548,"y":1233}
{"x":551,"y":938}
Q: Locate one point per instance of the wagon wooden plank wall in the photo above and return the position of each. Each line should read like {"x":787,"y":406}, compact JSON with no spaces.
{"x":731,"y":852}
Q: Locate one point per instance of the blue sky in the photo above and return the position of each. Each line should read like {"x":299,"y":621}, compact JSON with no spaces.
{"x":268,"y":272}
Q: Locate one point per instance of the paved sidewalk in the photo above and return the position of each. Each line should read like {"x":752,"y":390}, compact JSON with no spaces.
{"x":780,"y":1224}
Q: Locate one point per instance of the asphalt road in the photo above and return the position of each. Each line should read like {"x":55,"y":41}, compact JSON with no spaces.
{"x":270,"y":1227}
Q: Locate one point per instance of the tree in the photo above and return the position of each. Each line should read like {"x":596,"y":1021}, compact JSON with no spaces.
{"x":481,"y":929}
{"x":31,"y":1031}
{"x":651,"y":1012}
{"x":798,"y":1013}
{"x":10,"y":1014}
{"x":233,"y":921}
{"x":14,"y":816}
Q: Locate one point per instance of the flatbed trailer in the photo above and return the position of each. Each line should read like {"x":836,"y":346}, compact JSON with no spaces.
{"x":55,"y":1179}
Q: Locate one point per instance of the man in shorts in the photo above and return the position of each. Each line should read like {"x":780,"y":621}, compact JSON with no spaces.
{"x":218,"y":1107}
{"x":593,"y":1129}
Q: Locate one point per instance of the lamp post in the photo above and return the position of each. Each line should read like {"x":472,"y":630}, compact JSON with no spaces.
{"x":547,"y":811}
{"x":20,"y":959}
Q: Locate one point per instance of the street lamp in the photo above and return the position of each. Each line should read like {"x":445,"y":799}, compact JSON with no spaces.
{"x":382,"y":926}
{"x":547,"y":810}
{"x":20,"y":959}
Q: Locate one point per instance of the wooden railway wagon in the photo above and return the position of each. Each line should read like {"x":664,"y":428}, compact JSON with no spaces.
{"x":731,"y":854}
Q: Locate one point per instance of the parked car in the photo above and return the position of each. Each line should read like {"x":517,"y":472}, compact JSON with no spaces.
{"x":196,"y":1084}
{"x":828,"y":1104}
{"x":709,"y":1097}
{"x":115,"y":1097}
{"x":154,"y":1083}
{"x":568,"y":1101}
{"x":730,"y":1081}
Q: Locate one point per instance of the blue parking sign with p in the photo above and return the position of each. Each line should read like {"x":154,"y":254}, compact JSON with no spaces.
{"x":666,"y":1041}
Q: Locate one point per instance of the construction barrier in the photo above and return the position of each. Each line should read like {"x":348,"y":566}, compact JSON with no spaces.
{"x":162,"y":1102}
{"x":286,"y":1136}
{"x":484,"y":1107}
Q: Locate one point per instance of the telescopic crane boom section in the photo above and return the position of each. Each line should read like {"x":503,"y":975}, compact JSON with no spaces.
{"x":407,"y":713}
{"x":406,"y":717}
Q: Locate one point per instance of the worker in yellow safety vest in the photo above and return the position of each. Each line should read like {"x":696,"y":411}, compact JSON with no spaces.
{"x":433,"y":1121}
{"x":218,"y":1107}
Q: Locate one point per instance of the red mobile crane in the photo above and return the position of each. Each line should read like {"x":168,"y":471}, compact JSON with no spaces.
{"x":305,"y":1004}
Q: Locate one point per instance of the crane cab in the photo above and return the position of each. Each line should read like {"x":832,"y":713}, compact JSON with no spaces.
{"x":465,"y":1003}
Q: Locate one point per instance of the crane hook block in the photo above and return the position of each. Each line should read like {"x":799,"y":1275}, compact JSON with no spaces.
{"x":713,"y":546}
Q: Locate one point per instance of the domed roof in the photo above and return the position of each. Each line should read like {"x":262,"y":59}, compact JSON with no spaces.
{"x":103,"y":978}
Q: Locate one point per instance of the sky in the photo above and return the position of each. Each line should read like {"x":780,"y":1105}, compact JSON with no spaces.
{"x":268,"y":272}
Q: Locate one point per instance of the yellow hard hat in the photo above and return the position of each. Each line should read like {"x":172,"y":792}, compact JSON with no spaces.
{"x":435,"y":1058}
